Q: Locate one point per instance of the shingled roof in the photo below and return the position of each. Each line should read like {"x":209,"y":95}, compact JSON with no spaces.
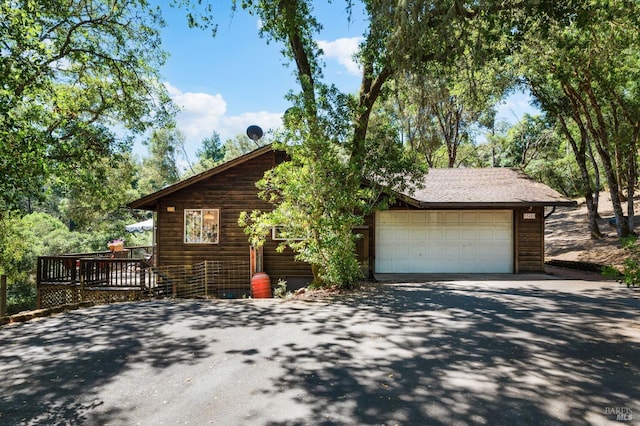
{"x":442,"y":188}
{"x":486,"y":187}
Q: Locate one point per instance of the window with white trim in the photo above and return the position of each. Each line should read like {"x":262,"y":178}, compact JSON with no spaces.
{"x":201,"y":226}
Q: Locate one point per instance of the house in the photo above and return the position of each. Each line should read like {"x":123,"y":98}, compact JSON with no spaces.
{"x":470,"y":220}
{"x":197,"y":218}
{"x":460,"y":220}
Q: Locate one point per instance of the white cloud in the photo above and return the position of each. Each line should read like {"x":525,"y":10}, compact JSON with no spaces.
{"x":202,"y":113}
{"x":238,"y":124}
{"x":515,"y":106}
{"x":343,"y":50}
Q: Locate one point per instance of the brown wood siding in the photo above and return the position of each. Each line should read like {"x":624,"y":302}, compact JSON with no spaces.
{"x":529,"y":242}
{"x":231,"y":191}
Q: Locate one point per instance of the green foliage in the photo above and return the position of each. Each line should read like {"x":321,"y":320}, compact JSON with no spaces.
{"x":160,"y":168}
{"x":344,"y":155}
{"x":631,"y":265}
{"x":21,"y":296}
{"x":69,"y":72}
{"x":241,"y":145}
{"x":560,"y":171}
{"x":461,"y":50}
{"x":14,"y":247}
{"x":111,"y":187}
{"x":534,"y":146}
{"x":444,"y":105}
{"x":316,"y":216}
{"x":211,"y":150}
{"x":280,"y":290}
{"x":525,"y":141}
{"x":22,"y":240}
{"x":582,"y":64}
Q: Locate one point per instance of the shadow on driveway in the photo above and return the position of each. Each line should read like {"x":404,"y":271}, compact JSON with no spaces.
{"x":403,"y":353}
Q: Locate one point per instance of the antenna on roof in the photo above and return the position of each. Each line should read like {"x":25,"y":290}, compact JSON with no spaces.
{"x":254,"y":133}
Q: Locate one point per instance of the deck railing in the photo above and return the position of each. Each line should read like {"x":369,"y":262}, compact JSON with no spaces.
{"x":96,"y":277}
{"x":103,"y":277}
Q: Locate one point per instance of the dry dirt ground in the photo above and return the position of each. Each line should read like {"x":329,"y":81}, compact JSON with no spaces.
{"x":567,"y":235}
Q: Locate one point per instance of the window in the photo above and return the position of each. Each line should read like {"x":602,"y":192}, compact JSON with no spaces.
{"x":201,"y":226}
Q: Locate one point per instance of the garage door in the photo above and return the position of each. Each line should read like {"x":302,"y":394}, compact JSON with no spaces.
{"x":444,"y":241}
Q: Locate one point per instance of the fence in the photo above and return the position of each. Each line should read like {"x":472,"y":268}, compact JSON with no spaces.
{"x":68,"y":279}
{"x":210,"y":279}
{"x":71,"y":279}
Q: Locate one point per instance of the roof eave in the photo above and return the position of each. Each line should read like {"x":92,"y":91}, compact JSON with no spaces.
{"x":407,"y":199}
{"x":149,"y":202}
{"x":489,"y":204}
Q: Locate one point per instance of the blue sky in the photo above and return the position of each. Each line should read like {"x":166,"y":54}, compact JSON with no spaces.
{"x":235,"y":79}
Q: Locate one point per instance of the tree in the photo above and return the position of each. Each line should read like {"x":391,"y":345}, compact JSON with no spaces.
{"x":241,"y":145}
{"x":212,"y":151}
{"x":534,"y":145}
{"x":327,"y":133}
{"x":113,"y":182}
{"x":525,"y":141}
{"x":70,"y":71}
{"x":443,"y":105}
{"x":160,"y":168}
{"x":22,"y":239}
{"x":583,"y":68}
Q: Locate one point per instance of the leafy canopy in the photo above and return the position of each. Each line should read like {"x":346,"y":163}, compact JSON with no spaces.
{"x":72,"y":71}
{"x":337,"y":142}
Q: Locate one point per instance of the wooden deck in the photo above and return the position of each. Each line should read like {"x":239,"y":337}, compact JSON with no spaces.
{"x":78,"y":278}
{"x":109,"y":277}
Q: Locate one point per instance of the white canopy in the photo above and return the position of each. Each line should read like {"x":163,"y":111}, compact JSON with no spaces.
{"x":146,"y":225}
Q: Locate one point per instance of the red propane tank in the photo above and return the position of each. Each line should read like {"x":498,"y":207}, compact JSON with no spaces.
{"x":260,"y":286}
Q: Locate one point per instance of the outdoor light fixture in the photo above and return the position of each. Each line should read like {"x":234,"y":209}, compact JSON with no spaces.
{"x":171,"y":209}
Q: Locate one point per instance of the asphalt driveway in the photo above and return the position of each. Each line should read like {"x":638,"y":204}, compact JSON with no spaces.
{"x":443,"y":352}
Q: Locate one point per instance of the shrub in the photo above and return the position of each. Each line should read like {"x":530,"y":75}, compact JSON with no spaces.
{"x":280,"y":290}
{"x":21,"y":296}
{"x":631,"y":266}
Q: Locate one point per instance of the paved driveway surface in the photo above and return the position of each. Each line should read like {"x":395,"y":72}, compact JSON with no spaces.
{"x":448,"y":352}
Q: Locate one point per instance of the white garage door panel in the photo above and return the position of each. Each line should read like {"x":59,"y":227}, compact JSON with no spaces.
{"x":444,"y":241}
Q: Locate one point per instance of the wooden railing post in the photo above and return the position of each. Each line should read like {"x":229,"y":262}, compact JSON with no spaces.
{"x":38,"y":282}
{"x":83,"y":272}
{"x":142,"y":271}
{"x":3,"y":295}
{"x":74,"y":270}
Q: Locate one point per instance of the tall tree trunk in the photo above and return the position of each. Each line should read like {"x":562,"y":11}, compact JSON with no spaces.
{"x":579,"y":150}
{"x":603,"y":146}
{"x":630,"y":191}
{"x":622,"y":226}
{"x":596,"y":176}
{"x":631,"y":183}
